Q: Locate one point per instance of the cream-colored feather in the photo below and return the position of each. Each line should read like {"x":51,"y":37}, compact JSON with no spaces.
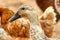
{"x":47,"y":20}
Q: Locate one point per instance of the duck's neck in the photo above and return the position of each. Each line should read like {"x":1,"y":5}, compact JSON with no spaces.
{"x":34,"y":21}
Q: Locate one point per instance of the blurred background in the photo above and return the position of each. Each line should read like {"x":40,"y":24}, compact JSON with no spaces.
{"x":38,"y":5}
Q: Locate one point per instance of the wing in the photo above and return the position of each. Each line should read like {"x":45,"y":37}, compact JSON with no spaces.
{"x":47,"y":20}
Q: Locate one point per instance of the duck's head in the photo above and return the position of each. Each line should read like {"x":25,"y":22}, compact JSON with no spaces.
{"x":23,"y":11}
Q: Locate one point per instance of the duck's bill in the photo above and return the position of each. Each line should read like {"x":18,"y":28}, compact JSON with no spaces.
{"x":14,"y":17}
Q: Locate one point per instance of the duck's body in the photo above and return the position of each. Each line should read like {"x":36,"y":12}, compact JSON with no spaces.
{"x":19,"y":28}
{"x":35,"y":31}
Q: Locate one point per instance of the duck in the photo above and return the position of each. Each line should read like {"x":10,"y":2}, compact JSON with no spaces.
{"x":36,"y":31}
{"x":28,"y":12}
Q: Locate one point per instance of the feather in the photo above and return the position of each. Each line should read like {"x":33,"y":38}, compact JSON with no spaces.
{"x":47,"y":20}
{"x":4,"y":35}
{"x":27,"y":26}
{"x":5,"y":14}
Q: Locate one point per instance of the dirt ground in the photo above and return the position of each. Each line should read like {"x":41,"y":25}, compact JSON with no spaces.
{"x":14,"y":5}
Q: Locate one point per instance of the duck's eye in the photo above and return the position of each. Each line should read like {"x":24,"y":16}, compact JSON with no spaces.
{"x":23,"y":8}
